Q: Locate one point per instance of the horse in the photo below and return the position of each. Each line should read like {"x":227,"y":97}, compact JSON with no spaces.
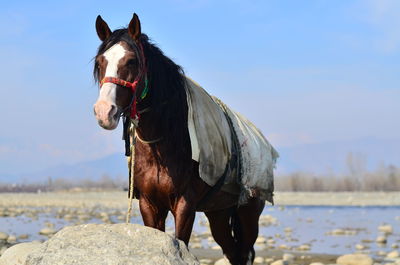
{"x":137,"y":79}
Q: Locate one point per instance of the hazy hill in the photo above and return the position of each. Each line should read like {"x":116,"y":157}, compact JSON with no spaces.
{"x":334,"y":156}
{"x":317,"y":158}
{"x":112,"y":165}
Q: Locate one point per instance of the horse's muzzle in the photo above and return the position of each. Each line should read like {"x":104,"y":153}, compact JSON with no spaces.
{"x":107,"y":114}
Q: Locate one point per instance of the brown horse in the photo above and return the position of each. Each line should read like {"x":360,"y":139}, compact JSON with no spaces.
{"x":166,"y":177}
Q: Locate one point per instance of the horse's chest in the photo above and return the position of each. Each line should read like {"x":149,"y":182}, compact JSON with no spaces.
{"x":153,"y":180}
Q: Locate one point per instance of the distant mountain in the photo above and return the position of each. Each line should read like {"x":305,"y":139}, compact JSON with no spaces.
{"x":318,"y":158}
{"x":112,"y":165}
{"x":331,"y":156}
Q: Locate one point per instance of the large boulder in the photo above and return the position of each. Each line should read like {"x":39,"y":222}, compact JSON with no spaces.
{"x":111,"y":244}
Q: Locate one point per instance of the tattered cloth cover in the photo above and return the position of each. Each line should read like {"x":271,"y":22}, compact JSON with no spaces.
{"x":211,"y":142}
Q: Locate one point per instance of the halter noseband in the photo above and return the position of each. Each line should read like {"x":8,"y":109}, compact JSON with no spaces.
{"x":134,"y":114}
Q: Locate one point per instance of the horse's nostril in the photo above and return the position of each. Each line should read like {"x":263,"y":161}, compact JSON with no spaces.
{"x":113,"y":111}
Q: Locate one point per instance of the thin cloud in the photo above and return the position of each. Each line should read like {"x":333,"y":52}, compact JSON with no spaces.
{"x":383,"y":15}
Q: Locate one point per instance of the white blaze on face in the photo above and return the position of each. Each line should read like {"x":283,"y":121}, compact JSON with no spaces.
{"x":113,"y":56}
{"x":106,"y":108}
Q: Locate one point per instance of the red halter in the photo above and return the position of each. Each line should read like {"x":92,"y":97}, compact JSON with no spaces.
{"x":132,"y":85}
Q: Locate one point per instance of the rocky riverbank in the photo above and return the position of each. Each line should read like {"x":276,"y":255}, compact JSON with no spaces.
{"x":25,"y":217}
{"x":118,"y":199}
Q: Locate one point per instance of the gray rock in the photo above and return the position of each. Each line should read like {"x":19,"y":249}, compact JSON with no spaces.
{"x":111,"y":244}
{"x":288,"y":257}
{"x":387,"y":229}
{"x":354,"y":259}
{"x":381,"y":240}
{"x":280,"y":262}
{"x":394,"y":254}
{"x":12,"y":239}
{"x":16,"y":255}
{"x":258,"y":260}
{"x":223,"y":261}
{"x":3,"y":236}
{"x":47,"y":231}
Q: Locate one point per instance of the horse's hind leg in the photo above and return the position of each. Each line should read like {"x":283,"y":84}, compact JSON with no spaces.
{"x":248,"y":216}
{"x":222,"y":232}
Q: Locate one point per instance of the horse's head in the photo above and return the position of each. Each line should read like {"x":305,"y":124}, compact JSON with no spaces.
{"x":119,"y":68}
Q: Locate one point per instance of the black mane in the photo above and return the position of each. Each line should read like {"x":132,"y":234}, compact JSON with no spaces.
{"x":166,"y":96}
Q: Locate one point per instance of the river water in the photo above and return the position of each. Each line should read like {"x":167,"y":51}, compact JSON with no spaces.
{"x":293,"y":226}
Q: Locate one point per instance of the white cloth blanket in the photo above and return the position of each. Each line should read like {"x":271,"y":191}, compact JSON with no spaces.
{"x":211,"y":143}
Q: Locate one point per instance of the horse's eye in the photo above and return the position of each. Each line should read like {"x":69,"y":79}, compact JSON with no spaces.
{"x":131,"y":62}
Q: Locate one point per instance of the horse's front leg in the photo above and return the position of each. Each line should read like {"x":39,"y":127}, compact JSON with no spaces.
{"x":184,"y":213}
{"x":152,"y":215}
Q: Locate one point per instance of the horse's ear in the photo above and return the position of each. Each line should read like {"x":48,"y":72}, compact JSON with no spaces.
{"x":103,"y":31}
{"x":134,"y":29}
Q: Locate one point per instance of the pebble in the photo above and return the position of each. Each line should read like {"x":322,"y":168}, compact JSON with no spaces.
{"x":304,"y":247}
{"x":195,"y":245}
{"x":354,"y":259}
{"x":387,"y":229}
{"x":269,"y":260}
{"x":206,"y":261}
{"x":49,"y":225}
{"x":317,"y":263}
{"x":223,"y":261}
{"x":23,"y":236}
{"x":3,"y":236}
{"x":283,"y":246}
{"x":258,"y":260}
{"x":12,"y":239}
{"x":261,"y":240}
{"x":360,"y":247}
{"x":381,"y":253}
{"x":47,"y":231}
{"x":288,"y":230}
{"x":68,"y":217}
{"x":84,"y":217}
{"x":288,"y":257}
{"x":267,"y":220}
{"x":366,"y":241}
{"x":280,"y":262}
{"x":337,"y":232}
{"x":392,"y":255}
{"x":381,"y":240}
{"x":394,"y":245}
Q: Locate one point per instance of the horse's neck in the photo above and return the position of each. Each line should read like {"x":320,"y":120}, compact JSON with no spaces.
{"x":150,"y":128}
{"x":172,"y":144}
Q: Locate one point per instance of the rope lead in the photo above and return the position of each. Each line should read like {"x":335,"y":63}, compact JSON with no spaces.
{"x":131,"y":166}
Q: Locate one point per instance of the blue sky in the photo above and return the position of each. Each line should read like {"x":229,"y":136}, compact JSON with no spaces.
{"x":303,"y":71}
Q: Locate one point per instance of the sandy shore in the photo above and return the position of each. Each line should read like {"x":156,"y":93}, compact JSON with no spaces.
{"x":338,"y":198}
{"x":118,"y":199}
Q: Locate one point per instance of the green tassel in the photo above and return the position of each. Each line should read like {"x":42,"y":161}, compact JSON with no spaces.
{"x":145,"y":89}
